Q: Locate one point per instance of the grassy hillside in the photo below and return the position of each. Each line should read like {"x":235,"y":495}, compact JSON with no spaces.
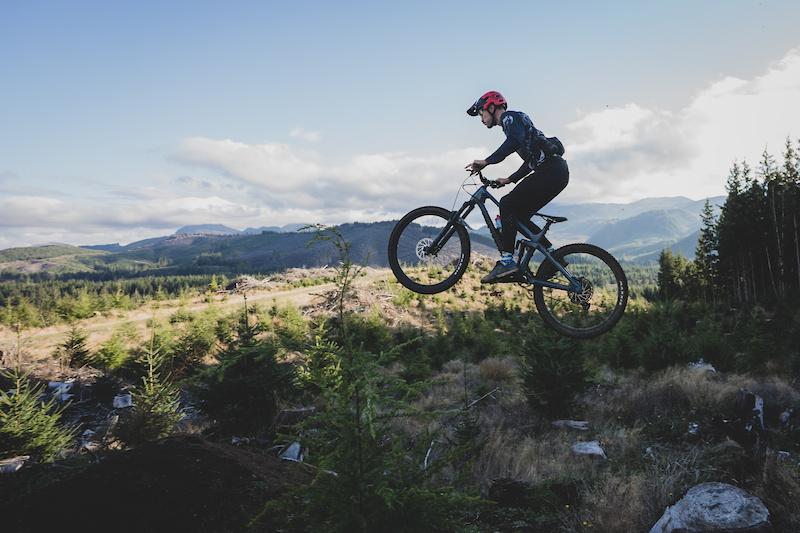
{"x":57,"y":259}
{"x":490,"y":389}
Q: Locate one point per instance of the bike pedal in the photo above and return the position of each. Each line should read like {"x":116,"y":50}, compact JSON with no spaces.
{"x":513,"y":278}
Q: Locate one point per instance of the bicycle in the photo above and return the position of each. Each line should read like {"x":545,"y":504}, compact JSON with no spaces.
{"x":580,"y":290}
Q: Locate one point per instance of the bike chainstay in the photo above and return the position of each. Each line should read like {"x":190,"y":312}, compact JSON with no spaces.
{"x":526,"y":278}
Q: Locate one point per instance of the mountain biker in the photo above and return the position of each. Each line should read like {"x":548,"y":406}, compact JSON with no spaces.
{"x":543,"y":174}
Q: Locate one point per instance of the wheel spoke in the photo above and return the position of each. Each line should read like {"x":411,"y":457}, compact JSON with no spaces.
{"x":599,"y":297}
{"x":410,"y":256}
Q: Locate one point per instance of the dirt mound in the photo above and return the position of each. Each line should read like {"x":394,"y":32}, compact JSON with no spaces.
{"x":182,"y":483}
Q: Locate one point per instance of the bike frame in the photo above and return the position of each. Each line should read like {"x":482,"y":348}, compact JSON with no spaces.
{"x":527,"y":247}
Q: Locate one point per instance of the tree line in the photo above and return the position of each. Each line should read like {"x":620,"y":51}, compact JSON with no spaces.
{"x":750,"y":252}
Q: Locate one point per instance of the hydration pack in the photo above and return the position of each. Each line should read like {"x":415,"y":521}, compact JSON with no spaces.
{"x":555,"y":148}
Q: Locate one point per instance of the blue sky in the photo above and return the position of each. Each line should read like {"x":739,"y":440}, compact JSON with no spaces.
{"x":121,"y":121}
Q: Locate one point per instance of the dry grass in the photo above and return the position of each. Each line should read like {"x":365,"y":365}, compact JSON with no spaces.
{"x":681,"y":390}
{"x":499,"y":370}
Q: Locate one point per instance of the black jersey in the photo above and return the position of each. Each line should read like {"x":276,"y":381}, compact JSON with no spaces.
{"x":524,"y":138}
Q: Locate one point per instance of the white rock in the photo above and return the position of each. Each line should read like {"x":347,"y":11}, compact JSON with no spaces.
{"x":589,"y":448}
{"x":713,"y":507}
{"x":122,"y":401}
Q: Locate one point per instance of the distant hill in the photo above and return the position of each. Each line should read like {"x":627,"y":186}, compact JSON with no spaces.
{"x":276,"y":229}
{"x":634,"y":232}
{"x":207,"y":229}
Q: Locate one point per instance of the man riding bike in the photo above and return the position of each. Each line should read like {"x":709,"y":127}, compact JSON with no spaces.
{"x":542,"y":176}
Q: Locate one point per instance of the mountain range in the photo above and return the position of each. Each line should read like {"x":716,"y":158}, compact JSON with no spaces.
{"x":635,"y":232}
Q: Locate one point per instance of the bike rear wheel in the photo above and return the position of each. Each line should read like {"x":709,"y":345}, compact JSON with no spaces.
{"x":596,"y":306}
{"x":413,"y":265}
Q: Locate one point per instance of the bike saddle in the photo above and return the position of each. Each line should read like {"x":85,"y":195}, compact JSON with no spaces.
{"x":551,"y":218}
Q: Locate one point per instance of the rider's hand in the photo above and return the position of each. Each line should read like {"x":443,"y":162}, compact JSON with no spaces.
{"x":477,"y":165}
{"x":503,"y":181}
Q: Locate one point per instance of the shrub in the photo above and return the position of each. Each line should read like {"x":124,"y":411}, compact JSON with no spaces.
{"x":29,"y":425}
{"x":196,"y":342}
{"x":552,"y":372}
{"x":112,"y":354}
{"x":74,"y":351}
{"x":155,"y":408}
{"x":242,"y":391}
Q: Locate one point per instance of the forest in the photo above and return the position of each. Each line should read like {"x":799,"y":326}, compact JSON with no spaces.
{"x":446,"y":412}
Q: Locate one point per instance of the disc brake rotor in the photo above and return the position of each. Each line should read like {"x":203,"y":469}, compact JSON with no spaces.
{"x":420,"y":249}
{"x":583,"y":295}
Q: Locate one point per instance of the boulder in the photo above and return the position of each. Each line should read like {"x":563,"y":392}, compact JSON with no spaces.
{"x":589,"y":448}
{"x":712,"y":507}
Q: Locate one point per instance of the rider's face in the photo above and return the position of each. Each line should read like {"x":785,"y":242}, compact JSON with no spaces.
{"x":486,"y":116}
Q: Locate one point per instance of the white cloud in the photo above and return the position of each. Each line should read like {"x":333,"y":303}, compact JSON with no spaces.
{"x":283,"y":175}
{"x":629,"y":153}
{"x":312,"y":136}
{"x":616,"y":154}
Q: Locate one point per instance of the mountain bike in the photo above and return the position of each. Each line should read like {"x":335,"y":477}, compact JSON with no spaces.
{"x":580,"y":290}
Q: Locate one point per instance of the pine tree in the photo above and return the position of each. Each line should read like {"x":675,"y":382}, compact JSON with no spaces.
{"x":671,"y":275}
{"x":369,"y":479}
{"x":30,"y":425}
{"x":74,"y":351}
{"x":791,"y":174}
{"x":706,"y":254}
{"x":241,"y":392}
{"x":155,"y":408}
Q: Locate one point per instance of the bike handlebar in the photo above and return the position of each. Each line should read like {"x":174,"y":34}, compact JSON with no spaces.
{"x":492,"y":184}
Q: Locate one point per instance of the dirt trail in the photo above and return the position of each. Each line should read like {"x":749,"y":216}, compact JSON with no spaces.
{"x":39,"y":344}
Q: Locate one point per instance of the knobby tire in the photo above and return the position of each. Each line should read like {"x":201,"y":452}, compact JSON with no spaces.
{"x":428,"y":273}
{"x":597,"y":306}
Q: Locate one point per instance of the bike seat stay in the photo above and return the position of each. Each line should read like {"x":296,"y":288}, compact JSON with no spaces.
{"x":526,"y":251}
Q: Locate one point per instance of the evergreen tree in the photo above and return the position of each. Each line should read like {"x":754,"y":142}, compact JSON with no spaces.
{"x":155,"y":408}
{"x":791,"y":177}
{"x":28,"y":424}
{"x":241,"y":392}
{"x":671,"y":275}
{"x":706,"y":254}
{"x":74,"y":351}
{"x":369,"y":478}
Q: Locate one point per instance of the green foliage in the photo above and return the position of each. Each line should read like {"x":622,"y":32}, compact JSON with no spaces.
{"x":242,"y":392}
{"x":20,"y":310}
{"x":155,"y":408}
{"x":28,"y":424}
{"x":290,"y":325}
{"x":672,"y":275}
{"x":380,"y":481}
{"x":112,"y":354}
{"x":553,"y":371}
{"x":73,"y":351}
{"x":323,"y":371}
{"x":197,"y":341}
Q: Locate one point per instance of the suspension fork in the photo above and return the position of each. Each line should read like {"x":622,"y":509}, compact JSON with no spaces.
{"x":456,"y":218}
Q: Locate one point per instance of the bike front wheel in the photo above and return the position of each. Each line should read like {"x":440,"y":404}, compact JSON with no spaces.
{"x":415,"y":264}
{"x":595,"y":304}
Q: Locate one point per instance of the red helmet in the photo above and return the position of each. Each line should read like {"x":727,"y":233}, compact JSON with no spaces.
{"x":492,"y":97}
